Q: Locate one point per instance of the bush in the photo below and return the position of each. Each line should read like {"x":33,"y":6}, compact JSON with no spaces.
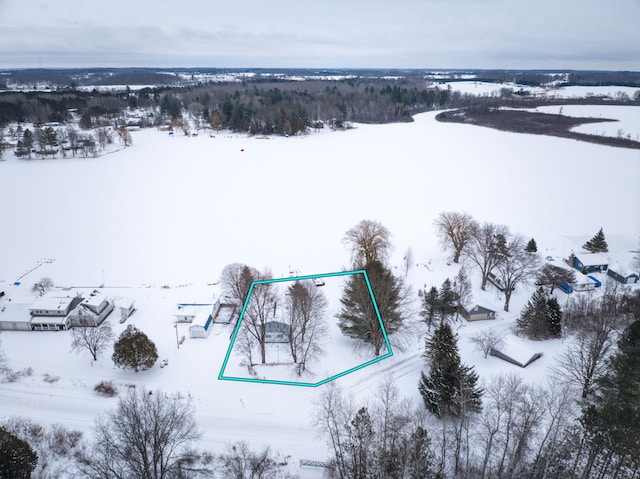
{"x":106,"y":388}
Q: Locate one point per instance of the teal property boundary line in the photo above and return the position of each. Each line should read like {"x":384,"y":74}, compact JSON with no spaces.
{"x":221,"y":375}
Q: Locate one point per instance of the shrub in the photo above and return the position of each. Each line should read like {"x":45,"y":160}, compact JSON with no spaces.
{"x":106,"y":388}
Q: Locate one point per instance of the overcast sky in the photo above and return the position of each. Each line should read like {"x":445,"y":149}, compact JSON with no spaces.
{"x":553,"y":34}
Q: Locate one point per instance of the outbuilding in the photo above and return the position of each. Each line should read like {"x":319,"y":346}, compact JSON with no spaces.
{"x":201,"y":324}
{"x":477,"y":313}
{"x":589,"y":262}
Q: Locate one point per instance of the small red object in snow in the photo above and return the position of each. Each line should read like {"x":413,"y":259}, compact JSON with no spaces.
{"x":241,"y":149}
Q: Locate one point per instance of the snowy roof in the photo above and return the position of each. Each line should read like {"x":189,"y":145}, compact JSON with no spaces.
{"x":480,"y":309}
{"x":201,"y":318}
{"x":592,"y":259}
{"x":95,"y":299}
{"x":52,"y":303}
{"x":518,"y":349}
{"x":15,"y":312}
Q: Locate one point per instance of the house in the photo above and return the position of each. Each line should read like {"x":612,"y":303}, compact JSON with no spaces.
{"x":623,"y":277}
{"x":187,"y":312}
{"x":276,"y":332}
{"x":589,"y":262}
{"x":92,"y":311}
{"x":51,"y":311}
{"x":517,"y":351}
{"x":477,"y":313}
{"x":201,"y":324}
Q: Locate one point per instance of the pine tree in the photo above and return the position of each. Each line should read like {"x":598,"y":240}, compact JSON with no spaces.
{"x":450,"y":387}
{"x":597,"y":244}
{"x":359,"y":446}
{"x":554,"y":317}
{"x":134,"y":350}
{"x":430,"y":306}
{"x":17,"y":458}
{"x":610,"y":423}
{"x":358,"y":318}
{"x":531,"y":247}
{"x":447,"y":301}
{"x":541,"y":317}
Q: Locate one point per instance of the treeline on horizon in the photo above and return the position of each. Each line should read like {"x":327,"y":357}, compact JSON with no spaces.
{"x":264,"y":104}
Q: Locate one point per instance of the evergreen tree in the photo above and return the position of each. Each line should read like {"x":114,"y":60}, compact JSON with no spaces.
{"x":541,"y":317}
{"x":531,"y":247}
{"x":134,"y":350}
{"x":17,"y":458}
{"x":597,"y":244}
{"x":25,"y":146}
{"x":430,"y":306}
{"x":451,"y":387}
{"x":358,"y":318}
{"x":554,"y":317}
{"x":447,"y":301}
{"x":610,"y":423}
{"x":359,"y":448}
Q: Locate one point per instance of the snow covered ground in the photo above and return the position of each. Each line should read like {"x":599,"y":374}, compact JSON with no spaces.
{"x":158,"y":221}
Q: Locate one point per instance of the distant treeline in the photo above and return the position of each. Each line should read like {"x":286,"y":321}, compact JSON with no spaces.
{"x":260,"y":104}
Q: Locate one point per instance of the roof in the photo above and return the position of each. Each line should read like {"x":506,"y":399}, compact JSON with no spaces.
{"x":52,"y":303}
{"x":592,"y":259}
{"x":481,"y":310}
{"x":95,"y":299}
{"x":519,"y":350}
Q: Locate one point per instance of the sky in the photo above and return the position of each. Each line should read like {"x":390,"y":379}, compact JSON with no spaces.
{"x":504,"y":34}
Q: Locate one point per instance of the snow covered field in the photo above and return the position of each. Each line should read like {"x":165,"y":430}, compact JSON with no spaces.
{"x":158,"y":221}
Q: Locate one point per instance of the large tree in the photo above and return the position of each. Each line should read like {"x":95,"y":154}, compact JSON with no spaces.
{"x":610,"y":422}
{"x":541,"y":317}
{"x":369,"y":241}
{"x":148,"y":436}
{"x":358,"y":318}
{"x":306,"y":306}
{"x":551,"y":275}
{"x":597,"y":244}
{"x":236,"y":279}
{"x":17,"y":457}
{"x":451,"y":387}
{"x":486,"y":248}
{"x":517,"y":267}
{"x":134,"y":350}
{"x":454,"y":230}
{"x":92,"y":339}
{"x":261,"y":309}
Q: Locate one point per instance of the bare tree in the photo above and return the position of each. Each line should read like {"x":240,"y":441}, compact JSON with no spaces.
{"x":454,"y":230}
{"x":486,"y":248}
{"x":42,"y":286}
{"x":486,"y":340}
{"x":306,"y":306}
{"x":517,"y":266}
{"x":551,"y":275}
{"x":584,"y":360}
{"x":408,"y":261}
{"x":369,"y":241}
{"x":236,"y":279}
{"x":240,"y":462}
{"x":91,"y":338}
{"x":124,"y":135}
{"x":147,"y":436}
{"x":104,"y":137}
{"x":261,"y":309}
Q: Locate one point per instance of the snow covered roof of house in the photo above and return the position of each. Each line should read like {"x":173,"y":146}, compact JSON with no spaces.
{"x":592,"y":259}
{"x":517,"y":350}
{"x":52,"y":303}
{"x":95,"y":298}
{"x":480,"y":309}
{"x":15,"y":312}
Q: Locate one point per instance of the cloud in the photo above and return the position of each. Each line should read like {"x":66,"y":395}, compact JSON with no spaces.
{"x":332,"y":33}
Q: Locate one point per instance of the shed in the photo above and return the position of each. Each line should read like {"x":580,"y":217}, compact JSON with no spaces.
{"x":127,"y":307}
{"x":201,"y":325}
{"x":477,"y":313}
{"x":516,"y":351}
{"x":589,"y":262}
{"x":623,"y":277}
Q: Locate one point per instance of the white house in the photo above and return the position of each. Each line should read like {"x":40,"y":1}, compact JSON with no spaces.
{"x":14,"y":316}
{"x":92,"y":311}
{"x":51,"y":311}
